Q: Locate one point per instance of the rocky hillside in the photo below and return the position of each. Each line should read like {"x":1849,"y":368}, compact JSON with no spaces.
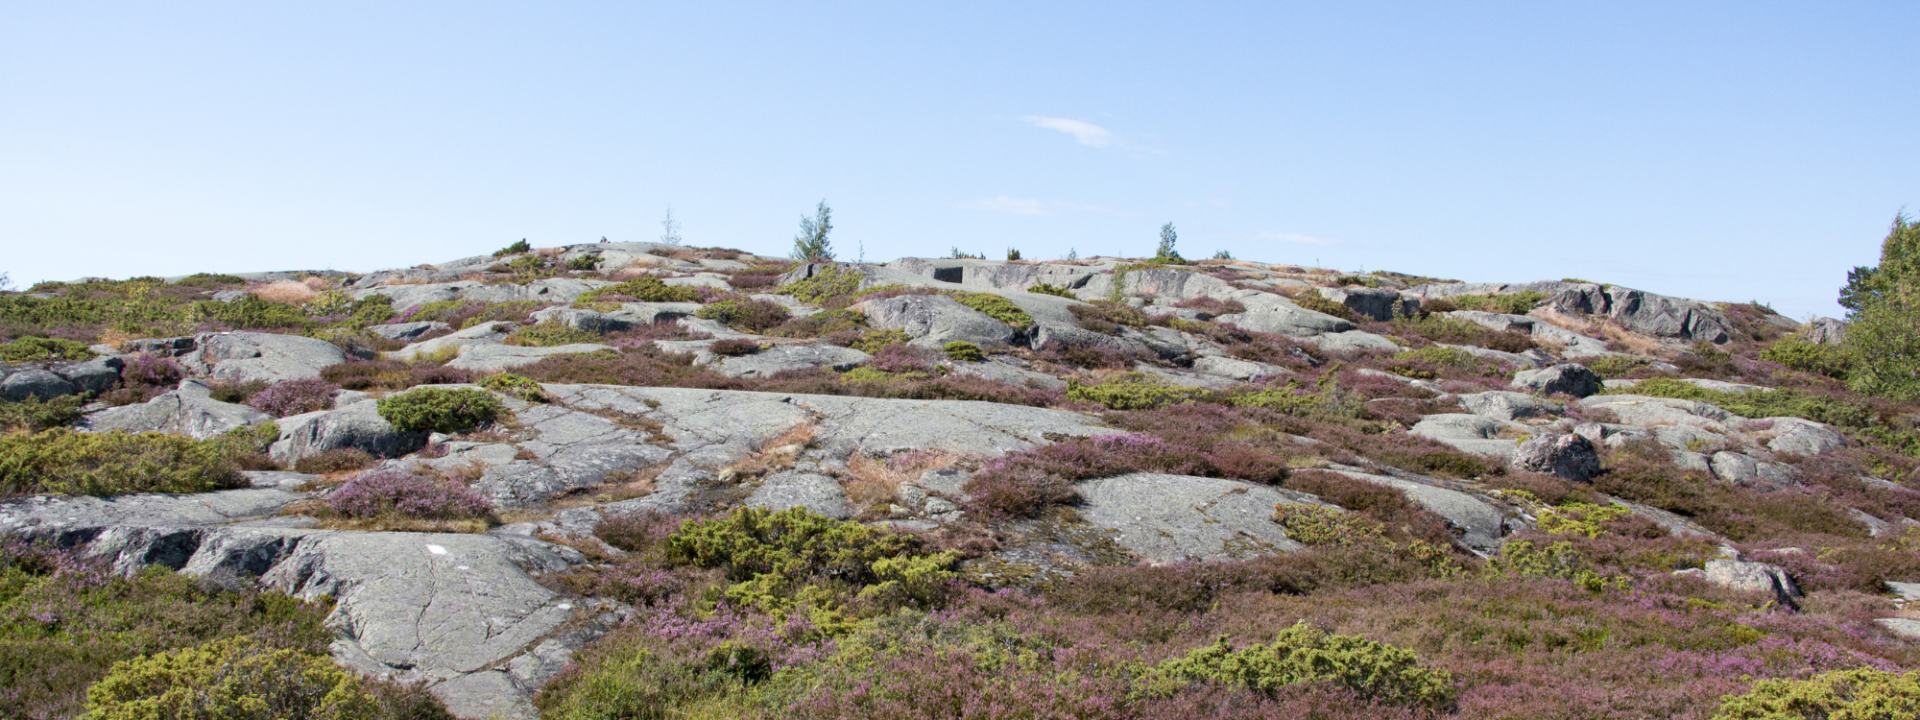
{"x":633,"y":480}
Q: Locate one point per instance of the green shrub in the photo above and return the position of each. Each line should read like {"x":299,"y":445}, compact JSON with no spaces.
{"x":794,"y":559}
{"x":514,"y":249}
{"x":1615,"y":366}
{"x":1862,"y":693}
{"x":873,"y":341}
{"x":644,"y":289}
{"x":209,"y":281}
{"x":60,"y":461}
{"x":39,"y":349}
{"x":752,"y":316}
{"x":445,"y":410}
{"x":1801,"y":354}
{"x":995,"y":308}
{"x":550,"y":334}
{"x":254,"y":313}
{"x":1107,"y":317}
{"x":1050,"y":289}
{"x":1305,"y":654}
{"x":514,"y":385}
{"x":232,"y":679}
{"x":828,"y":282}
{"x":1511,"y":304}
{"x":1437,"y":355}
{"x":1326,"y":402}
{"x":33,"y":415}
{"x":1132,"y":391}
{"x":584,"y":263}
{"x":963,"y":351}
{"x":1313,"y":301}
{"x":823,"y":323}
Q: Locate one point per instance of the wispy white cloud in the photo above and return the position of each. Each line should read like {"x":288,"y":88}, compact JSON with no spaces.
{"x":1295,"y":238}
{"x":1085,"y":133}
{"x":1009,"y":206}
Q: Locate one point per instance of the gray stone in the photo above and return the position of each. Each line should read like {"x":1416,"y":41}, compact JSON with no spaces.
{"x":480,"y":333}
{"x":1372,"y":303}
{"x":92,"y":376}
{"x":1173,"y":518}
{"x":246,"y":356}
{"x":1568,"y":378}
{"x":1564,"y":455}
{"x":1474,"y":434}
{"x":996,"y":370}
{"x":1803,"y":437}
{"x":69,"y":519}
{"x":1645,"y":411}
{"x":408,"y":330}
{"x":1754,"y":577}
{"x":785,"y":356}
{"x":1826,"y":331}
{"x":491,"y":358}
{"x":1481,"y":525}
{"x":1504,"y":405}
{"x":357,"y":426}
{"x":181,"y":412}
{"x":565,"y":450}
{"x":1268,"y":312}
{"x":1743,"y":470}
{"x":818,"y":493}
{"x":1235,"y":369}
{"x":1351,"y":340}
{"x":935,"y":320}
{"x":1908,"y":628}
{"x":33,"y":382}
{"x":1529,"y":359}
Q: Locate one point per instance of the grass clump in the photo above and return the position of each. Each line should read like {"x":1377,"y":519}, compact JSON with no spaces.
{"x":515,"y":249}
{"x":1614,"y":366}
{"x":60,"y":461}
{"x":873,"y":341}
{"x":963,"y":351}
{"x":1304,"y":654}
{"x":1454,"y":331}
{"x":1051,"y":289}
{"x":235,"y":677}
{"x":754,"y":316}
{"x":1313,"y":301}
{"x":34,"y":415}
{"x":644,"y":289}
{"x":444,"y":410}
{"x":513,"y":385}
{"x":1510,"y":304}
{"x":39,"y":349}
{"x":550,"y":334}
{"x":1106,"y":317}
{"x":1132,"y":391}
{"x":1859,"y":693}
{"x":829,"y":282}
{"x":206,"y":281}
{"x":796,"y":560}
{"x":733,"y":347}
{"x":994,"y":306}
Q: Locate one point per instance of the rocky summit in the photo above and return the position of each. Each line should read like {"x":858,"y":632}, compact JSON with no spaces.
{"x":623,"y":480}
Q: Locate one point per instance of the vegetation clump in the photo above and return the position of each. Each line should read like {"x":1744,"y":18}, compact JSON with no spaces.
{"x":646,"y":289}
{"x":63,"y":462}
{"x":1305,"y":654}
{"x":550,"y":334}
{"x":826,"y":283}
{"x":963,"y":351}
{"x":391,"y":492}
{"x":1859,"y":693}
{"x":512,"y":385}
{"x":994,"y":306}
{"x":754,"y":316}
{"x":1132,"y":391}
{"x":443,"y":410}
{"x":518,"y":247}
{"x":39,"y":349}
{"x":1050,"y":289}
{"x":1509,"y":304}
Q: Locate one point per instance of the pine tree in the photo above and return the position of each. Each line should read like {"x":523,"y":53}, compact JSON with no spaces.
{"x":811,"y":244}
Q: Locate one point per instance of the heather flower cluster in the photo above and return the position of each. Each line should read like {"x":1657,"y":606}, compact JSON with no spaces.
{"x":384,"y":492}
{"x":293,"y":397}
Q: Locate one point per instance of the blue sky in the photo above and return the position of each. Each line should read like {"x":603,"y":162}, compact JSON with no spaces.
{"x":1726,"y":151}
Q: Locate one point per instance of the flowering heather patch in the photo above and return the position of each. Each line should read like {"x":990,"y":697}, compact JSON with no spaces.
{"x":900,"y":358}
{"x":382,"y":492}
{"x":1023,"y":482}
{"x":391,"y":374}
{"x":293,"y":397}
{"x":639,"y":335}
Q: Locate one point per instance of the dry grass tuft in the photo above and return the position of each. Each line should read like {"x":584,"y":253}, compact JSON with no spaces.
{"x":772,"y":456}
{"x":291,"y":292}
{"x":874,"y":483}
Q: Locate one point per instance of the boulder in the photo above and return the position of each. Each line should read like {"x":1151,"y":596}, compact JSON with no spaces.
{"x":1803,"y":437}
{"x":1235,"y":369}
{"x":1568,"y":456}
{"x":1172,"y":518}
{"x":1743,"y":470}
{"x":813,"y":491}
{"x":92,"y":376}
{"x":480,"y":334}
{"x":189,"y":411}
{"x":357,"y":426}
{"x":33,"y":382}
{"x":1756,"y":577}
{"x":1481,"y":525}
{"x":1566,"y":378}
{"x":1826,"y":331}
{"x":248,"y":356}
{"x":935,"y":320}
{"x":1268,"y":312}
{"x":783,"y":357}
{"x":1505,"y":405}
{"x":1353,"y":340}
{"x":1002,"y":371}
{"x":1469,"y":433}
{"x":1372,"y":303}
{"x":1646,"y":412}
{"x":71,"y":519}
{"x":408,"y":330}
{"x":628,"y":317}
